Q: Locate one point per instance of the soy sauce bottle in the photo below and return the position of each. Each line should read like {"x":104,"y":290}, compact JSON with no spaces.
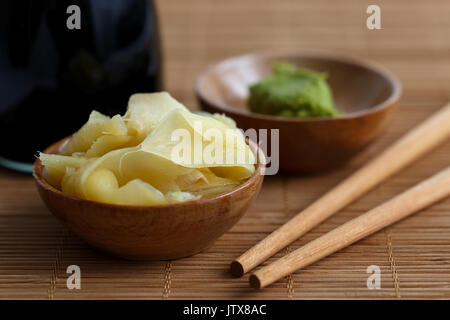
{"x":53,"y":72}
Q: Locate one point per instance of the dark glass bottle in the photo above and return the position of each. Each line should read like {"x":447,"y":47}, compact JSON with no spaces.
{"x":51,"y":76}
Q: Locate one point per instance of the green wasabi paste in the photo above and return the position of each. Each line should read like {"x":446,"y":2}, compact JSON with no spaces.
{"x":292,"y":92}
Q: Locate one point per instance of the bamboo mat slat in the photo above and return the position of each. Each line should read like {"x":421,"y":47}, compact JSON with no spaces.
{"x":413,"y":255}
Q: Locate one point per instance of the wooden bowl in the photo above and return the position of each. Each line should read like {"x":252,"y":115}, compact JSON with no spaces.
{"x":366,"y":92}
{"x":149,"y":232}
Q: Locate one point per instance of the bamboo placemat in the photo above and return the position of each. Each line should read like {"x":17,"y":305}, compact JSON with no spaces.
{"x":414,"y":255}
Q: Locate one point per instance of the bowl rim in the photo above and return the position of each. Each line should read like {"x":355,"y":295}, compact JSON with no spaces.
{"x":324,"y":55}
{"x":259,"y":173}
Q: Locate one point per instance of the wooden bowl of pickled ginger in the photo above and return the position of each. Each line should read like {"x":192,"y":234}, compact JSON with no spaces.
{"x":149,"y":232}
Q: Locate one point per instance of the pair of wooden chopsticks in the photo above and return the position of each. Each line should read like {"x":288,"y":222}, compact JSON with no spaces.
{"x":414,"y":144}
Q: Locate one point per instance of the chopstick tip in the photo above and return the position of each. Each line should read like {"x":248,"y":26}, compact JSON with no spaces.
{"x":236,"y":268}
{"x":254,"y":281}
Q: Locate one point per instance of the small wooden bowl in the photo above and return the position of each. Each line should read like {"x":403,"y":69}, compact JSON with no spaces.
{"x":364,"y":91}
{"x":149,"y":232}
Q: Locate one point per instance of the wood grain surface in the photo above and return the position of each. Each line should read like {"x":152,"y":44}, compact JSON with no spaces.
{"x":414,"y":254}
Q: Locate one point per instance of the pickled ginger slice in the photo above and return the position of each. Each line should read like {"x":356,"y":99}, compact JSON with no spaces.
{"x":97,"y":125}
{"x":180,"y":196}
{"x":145,"y":111}
{"x":138,"y":192}
{"x":229,"y":122}
{"x":186,"y":180}
{"x":101,"y":186}
{"x":107,"y":143}
{"x":70,"y":184}
{"x":210,"y":185}
{"x":74,"y":181}
{"x":152,"y":168}
{"x":55,"y":166}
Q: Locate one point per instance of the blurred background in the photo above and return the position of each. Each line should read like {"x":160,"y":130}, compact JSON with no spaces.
{"x":414,"y":41}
